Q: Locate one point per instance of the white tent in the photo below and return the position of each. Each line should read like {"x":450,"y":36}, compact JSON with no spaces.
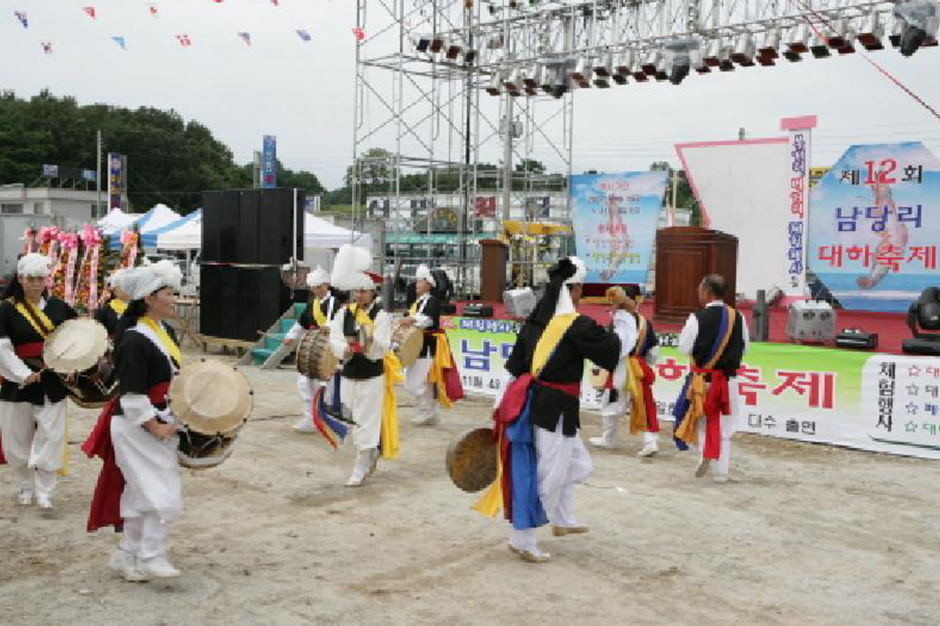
{"x":319,"y":233}
{"x":117,"y":220}
{"x":186,"y":236}
{"x":154,"y":219}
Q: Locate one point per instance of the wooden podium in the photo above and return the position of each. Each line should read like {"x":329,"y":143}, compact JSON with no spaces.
{"x":494,"y":257}
{"x":684,"y":255}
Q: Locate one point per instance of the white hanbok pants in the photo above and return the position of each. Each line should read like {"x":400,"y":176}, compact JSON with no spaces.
{"x":34,"y":442}
{"x":306,"y":388}
{"x":364,"y":400}
{"x":611,"y":415}
{"x":417,"y":385}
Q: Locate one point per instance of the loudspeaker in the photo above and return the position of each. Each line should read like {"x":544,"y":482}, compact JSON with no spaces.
{"x":276,"y":227}
{"x":228,"y":229}
{"x":209,"y":299}
{"x":228,"y":302}
{"x":247,"y":306}
{"x":211,"y":226}
{"x":249,"y":203}
{"x":918,"y":345}
{"x":478,"y":310}
{"x":856,"y":338}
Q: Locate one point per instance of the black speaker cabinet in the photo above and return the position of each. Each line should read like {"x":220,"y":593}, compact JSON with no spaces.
{"x":249,"y":203}
{"x":209,"y":299}
{"x":211,"y":226}
{"x":276,"y":226}
{"x":228,"y":302}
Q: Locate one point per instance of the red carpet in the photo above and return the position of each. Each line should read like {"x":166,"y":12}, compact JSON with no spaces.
{"x":890,"y":327}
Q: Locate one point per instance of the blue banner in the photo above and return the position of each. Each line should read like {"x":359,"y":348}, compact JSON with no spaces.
{"x":269,"y":162}
{"x":615,"y":217}
{"x":115,"y":179}
{"x":874,"y":226}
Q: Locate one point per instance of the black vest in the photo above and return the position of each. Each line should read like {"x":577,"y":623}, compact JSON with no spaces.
{"x":359,"y":367}
{"x":650,"y":342}
{"x":709,"y":320}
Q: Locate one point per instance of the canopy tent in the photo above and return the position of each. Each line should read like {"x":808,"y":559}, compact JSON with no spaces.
{"x":183,"y":234}
{"x":319,"y":233}
{"x":154,"y":219}
{"x":117,"y":220}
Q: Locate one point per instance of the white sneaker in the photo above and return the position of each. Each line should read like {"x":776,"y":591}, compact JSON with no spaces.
{"x":43,"y":501}
{"x":25,"y":498}
{"x":600,"y":442}
{"x":305,"y":426}
{"x":157,"y":567}
{"x":648,"y":450}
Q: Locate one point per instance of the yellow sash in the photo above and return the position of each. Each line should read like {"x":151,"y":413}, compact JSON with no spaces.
{"x":118,"y":306}
{"x":634,"y":387}
{"x":688,"y":429}
{"x":491,"y":501}
{"x":37,"y":313}
{"x":362,"y":318}
{"x":171,"y":348}
{"x":318,"y":315}
{"x":443,"y":360}
{"x":393,"y":376}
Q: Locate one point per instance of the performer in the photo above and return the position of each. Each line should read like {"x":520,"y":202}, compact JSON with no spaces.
{"x":109,"y":314}
{"x":361,"y":334}
{"x":316,"y":315}
{"x":32,"y":399}
{"x":542,"y":456}
{"x":716,"y":338}
{"x":139,"y":485}
{"x":425,"y":378}
{"x":631,"y":383}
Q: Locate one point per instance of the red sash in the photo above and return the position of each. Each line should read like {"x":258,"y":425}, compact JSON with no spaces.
{"x":106,"y":503}
{"x":717,"y":403}
{"x":649,"y":377}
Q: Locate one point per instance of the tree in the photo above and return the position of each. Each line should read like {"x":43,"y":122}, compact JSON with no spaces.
{"x":685,"y":197}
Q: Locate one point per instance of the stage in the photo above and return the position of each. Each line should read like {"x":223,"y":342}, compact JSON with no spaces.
{"x":890,"y":327}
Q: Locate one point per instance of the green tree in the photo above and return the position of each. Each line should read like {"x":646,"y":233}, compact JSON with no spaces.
{"x":685,"y":197}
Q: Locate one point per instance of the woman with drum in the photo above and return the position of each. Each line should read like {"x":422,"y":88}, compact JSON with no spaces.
{"x":110,"y":313}
{"x":361,"y":334}
{"x":32,"y":398}
{"x":143,"y":430}
{"x":317,"y":315}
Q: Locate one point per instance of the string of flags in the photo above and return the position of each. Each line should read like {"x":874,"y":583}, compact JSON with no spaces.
{"x":183,"y":39}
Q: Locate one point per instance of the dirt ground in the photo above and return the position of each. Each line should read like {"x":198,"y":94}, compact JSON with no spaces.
{"x":803,"y":534}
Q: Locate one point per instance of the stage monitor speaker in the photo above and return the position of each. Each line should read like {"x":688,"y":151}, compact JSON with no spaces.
{"x":228,"y":302}
{"x":276,"y":227}
{"x":811,"y":321}
{"x":249,"y":204}
{"x":857,"y":339}
{"x":209,"y":299}
{"x":211,"y":226}
{"x":920,"y":345}
{"x":519,"y":302}
{"x":228,"y":228}
{"x":478,"y":310}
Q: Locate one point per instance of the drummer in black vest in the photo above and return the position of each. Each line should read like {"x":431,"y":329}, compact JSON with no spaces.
{"x":425,"y":314}
{"x":361,"y":334}
{"x":317,"y":314}
{"x":32,"y":399}
{"x":716,"y":338}
{"x":110,"y":313}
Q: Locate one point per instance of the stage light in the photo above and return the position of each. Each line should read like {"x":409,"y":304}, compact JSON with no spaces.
{"x":603,"y":70}
{"x":469,"y":56}
{"x":437,"y":42}
{"x":798,"y":40}
{"x":725,"y":64}
{"x":837,"y":39}
{"x":622,"y":67}
{"x":920,"y":21}
{"x":532,"y":79}
{"x":768,"y":48}
{"x":649,"y":63}
{"x":661,"y":71}
{"x":819,"y":47}
{"x":424,"y":42}
{"x":872,"y":32}
{"x":513,"y":82}
{"x":743,"y":53}
{"x":453,"y":49}
{"x":679,"y":57}
{"x":848,"y":45}
{"x":495,"y":86}
{"x":637,"y":68}
{"x":712,"y":52}
{"x":581,"y":74}
{"x":548,"y":79}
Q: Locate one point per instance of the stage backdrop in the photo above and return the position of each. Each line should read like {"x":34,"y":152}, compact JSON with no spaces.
{"x":874,"y":402}
{"x":615,"y":218}
{"x":874,"y":226}
{"x":744,"y":188}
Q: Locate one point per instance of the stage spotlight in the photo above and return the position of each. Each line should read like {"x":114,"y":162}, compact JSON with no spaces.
{"x":581,"y":74}
{"x":532,"y":80}
{"x":712,"y":52}
{"x":768,"y":49}
{"x":513,"y":82}
{"x":437,"y":42}
{"x":622,"y":67}
{"x":679,"y":57}
{"x":872,"y":32}
{"x":743,"y":53}
{"x":495,"y":86}
{"x":637,"y":68}
{"x":837,"y":39}
{"x":725,"y":64}
{"x":920,"y":21}
{"x":469,"y":56}
{"x":453,"y":49}
{"x":819,"y":47}
{"x":603,"y":71}
{"x":662,"y":73}
{"x":649,"y":63}
{"x":548,"y":79}
{"x":798,"y":40}
{"x":424,"y":42}
{"x":848,"y":45}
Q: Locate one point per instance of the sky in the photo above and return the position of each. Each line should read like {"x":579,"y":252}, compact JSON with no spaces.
{"x":303,"y":92}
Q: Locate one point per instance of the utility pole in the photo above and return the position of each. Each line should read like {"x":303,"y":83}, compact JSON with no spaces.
{"x":98,"y":179}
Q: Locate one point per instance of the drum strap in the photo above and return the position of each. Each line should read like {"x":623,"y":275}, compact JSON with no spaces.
{"x":318,"y":315}
{"x":35,"y":316}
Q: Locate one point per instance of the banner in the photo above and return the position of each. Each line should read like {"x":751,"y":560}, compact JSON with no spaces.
{"x":269,"y":162}
{"x":615,"y":217}
{"x":796,"y":224}
{"x":115,"y":179}
{"x":875,"y":402}
{"x":875,"y":227}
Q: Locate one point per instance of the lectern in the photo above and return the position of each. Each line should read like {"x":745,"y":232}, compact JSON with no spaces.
{"x":495,"y":255}
{"x":684,"y":255}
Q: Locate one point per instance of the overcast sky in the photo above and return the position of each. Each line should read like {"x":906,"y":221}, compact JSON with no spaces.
{"x":303,"y":92}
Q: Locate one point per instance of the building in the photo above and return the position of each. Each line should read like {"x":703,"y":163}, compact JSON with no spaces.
{"x":68,"y":208}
